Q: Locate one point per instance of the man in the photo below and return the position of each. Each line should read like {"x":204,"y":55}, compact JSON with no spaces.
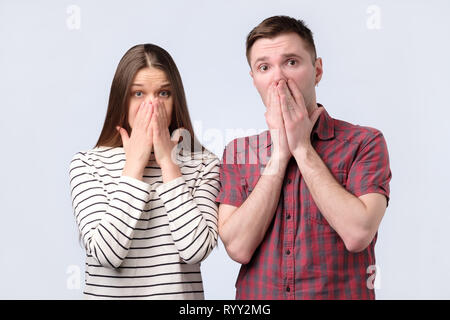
{"x":301,"y":203}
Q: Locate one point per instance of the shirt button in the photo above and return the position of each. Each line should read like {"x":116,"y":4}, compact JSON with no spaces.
{"x":288,"y":289}
{"x":288,"y":252}
{"x":288,"y":216}
{"x":289,"y":181}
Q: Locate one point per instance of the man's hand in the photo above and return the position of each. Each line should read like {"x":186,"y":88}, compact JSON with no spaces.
{"x":274,"y":119}
{"x":297,"y":122}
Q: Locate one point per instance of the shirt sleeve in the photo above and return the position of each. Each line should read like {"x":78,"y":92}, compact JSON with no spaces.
{"x":370,"y":171}
{"x":106,"y":222}
{"x":193,"y":216}
{"x":232,"y":189}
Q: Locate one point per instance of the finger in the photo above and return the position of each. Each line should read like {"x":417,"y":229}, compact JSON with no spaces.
{"x":285,"y":108}
{"x":148,"y":115}
{"x":152,"y":125}
{"x":154,"y":114}
{"x":157,"y":119}
{"x":143,"y":113}
{"x":123,"y":135}
{"x":269,"y":96}
{"x":163,"y":114}
{"x":298,"y":96}
{"x":275,"y":103}
{"x":289,"y":98}
{"x":139,"y":112}
{"x":141,"y":108}
{"x":285,"y":111}
{"x":163,"y":118}
{"x":159,"y":114}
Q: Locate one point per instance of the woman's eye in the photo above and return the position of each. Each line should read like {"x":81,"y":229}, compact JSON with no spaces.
{"x":138,"y":94}
{"x":263,"y":67}
{"x":164,"y":93}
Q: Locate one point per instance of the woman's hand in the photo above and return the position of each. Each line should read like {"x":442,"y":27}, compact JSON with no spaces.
{"x":138,"y":145}
{"x":162,"y":143}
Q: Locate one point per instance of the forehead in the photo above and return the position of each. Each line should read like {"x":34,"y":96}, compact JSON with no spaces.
{"x":150,"y":76}
{"x":279,"y":45}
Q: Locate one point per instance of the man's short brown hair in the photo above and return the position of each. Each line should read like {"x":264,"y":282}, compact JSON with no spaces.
{"x":276,"y":25}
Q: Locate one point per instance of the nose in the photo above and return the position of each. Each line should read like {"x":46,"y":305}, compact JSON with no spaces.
{"x":278,"y":75}
{"x":151,"y":98}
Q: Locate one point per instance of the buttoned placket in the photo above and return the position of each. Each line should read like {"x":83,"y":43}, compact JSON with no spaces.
{"x":289,"y":238}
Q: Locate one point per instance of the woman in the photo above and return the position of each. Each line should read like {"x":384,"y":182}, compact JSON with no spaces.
{"x":147,"y":215}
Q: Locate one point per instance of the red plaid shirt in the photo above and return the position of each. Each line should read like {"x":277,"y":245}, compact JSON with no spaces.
{"x":301,"y":256}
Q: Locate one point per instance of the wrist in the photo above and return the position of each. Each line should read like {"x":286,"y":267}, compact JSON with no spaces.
{"x":280,"y":157}
{"x":277,"y":166}
{"x":169,"y":170}
{"x":302,"y":152}
{"x":133,"y":171}
{"x":166,"y":163}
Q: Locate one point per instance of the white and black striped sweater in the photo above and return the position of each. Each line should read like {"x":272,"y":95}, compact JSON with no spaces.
{"x":144,"y":239}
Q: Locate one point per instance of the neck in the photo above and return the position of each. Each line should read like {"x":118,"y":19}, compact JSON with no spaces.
{"x":311,"y":107}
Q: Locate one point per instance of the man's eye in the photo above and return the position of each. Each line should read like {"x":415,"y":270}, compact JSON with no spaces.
{"x":292,"y":62}
{"x":263,"y":67}
{"x":138,"y":94}
{"x":165,"y":93}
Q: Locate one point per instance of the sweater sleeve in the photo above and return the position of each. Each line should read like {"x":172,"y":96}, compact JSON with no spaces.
{"x":106,"y":221}
{"x":193,"y":215}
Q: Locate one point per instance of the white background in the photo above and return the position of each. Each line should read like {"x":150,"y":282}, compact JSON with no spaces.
{"x":386,"y":65}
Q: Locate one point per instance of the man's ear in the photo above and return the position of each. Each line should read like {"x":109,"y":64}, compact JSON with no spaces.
{"x":251,"y":75}
{"x":318,"y":67}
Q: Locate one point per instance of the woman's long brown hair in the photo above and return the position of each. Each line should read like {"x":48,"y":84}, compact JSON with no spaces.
{"x":139,"y":57}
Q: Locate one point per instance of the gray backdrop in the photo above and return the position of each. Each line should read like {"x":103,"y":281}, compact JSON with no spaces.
{"x":386,"y":65}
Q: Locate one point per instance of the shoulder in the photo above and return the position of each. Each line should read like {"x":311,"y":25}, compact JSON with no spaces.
{"x":200,"y":160}
{"x":356,"y":134}
{"x":242,"y":144}
{"x":97,"y":156}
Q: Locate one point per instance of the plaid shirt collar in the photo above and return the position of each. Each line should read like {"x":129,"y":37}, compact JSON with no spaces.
{"x":323,"y":129}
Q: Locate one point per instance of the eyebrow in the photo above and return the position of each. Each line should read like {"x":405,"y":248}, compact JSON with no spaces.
{"x":289,"y":55}
{"x":164,"y":85}
{"x":286,"y":55}
{"x":259,"y":59}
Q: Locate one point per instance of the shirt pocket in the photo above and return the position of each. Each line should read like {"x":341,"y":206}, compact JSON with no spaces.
{"x":250,"y":179}
{"x":314,"y":214}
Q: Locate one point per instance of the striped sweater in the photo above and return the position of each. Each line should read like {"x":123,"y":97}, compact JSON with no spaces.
{"x":144,"y":239}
